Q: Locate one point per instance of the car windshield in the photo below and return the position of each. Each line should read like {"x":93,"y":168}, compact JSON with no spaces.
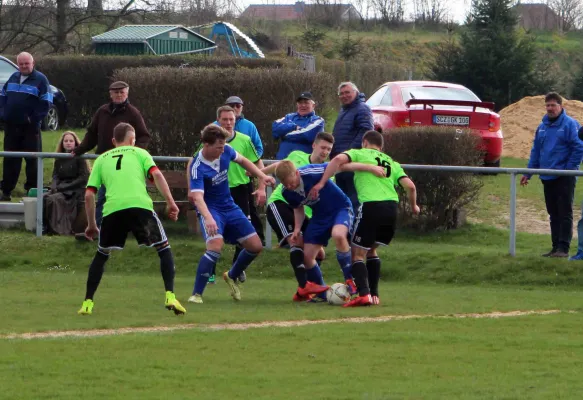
{"x":6,"y":70}
{"x":437,"y":93}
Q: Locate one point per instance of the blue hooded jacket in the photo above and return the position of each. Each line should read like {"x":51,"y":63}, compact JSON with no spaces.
{"x":248,"y":128}
{"x":27,"y":102}
{"x":556,"y":145}
{"x":296,"y":133}
{"x":353,"y":121}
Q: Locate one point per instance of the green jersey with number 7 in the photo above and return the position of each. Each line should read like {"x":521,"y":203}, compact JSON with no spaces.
{"x":371,"y":187}
{"x":123,"y":172}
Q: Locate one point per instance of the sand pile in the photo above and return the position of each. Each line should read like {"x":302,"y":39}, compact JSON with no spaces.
{"x":520,"y":120}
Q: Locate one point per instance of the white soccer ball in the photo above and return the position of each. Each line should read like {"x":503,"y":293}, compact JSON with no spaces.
{"x":338,"y":294}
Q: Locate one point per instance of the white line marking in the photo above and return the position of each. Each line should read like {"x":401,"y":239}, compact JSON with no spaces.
{"x":265,"y":324}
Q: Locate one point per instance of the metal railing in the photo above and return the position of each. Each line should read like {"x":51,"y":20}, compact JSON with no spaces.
{"x":513,"y":172}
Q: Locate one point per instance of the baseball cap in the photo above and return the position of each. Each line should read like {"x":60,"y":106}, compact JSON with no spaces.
{"x":305,"y":96}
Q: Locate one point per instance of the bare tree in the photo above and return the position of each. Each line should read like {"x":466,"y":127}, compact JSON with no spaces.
{"x":569,"y":12}
{"x":391,"y":12}
{"x":429,"y":11}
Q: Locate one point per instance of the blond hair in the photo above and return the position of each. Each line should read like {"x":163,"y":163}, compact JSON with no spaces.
{"x":284,"y":170}
{"x":61,"y":149}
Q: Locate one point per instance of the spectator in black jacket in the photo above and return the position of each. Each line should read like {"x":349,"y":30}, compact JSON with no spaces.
{"x":25,"y":100}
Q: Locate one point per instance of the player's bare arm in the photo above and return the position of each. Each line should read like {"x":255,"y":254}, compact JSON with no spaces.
{"x":163,"y":188}
{"x":378,"y":171}
{"x":411,"y":190}
{"x":299,"y":216}
{"x":197,"y":199}
{"x":92,"y":229}
{"x":329,"y":172}
{"x":252,"y":168}
{"x":260,"y":195}
{"x":270,"y":170}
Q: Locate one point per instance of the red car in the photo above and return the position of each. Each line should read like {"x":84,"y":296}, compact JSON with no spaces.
{"x":413,"y":103}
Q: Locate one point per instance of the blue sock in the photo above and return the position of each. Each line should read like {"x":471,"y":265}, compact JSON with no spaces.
{"x":314,"y":274}
{"x":345,"y":261}
{"x":205,"y":268}
{"x":241,"y":263}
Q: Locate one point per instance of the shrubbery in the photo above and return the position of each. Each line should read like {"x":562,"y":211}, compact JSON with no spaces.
{"x":85,"y":80}
{"x":178,"y":103}
{"x":441,"y":195}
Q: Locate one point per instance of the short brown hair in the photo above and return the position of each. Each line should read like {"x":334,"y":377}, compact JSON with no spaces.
{"x":223,"y":109}
{"x":328,"y":137}
{"x":554,"y":96}
{"x":121,"y":130}
{"x":373,"y":137}
{"x":212,"y":132}
{"x":284,"y":169}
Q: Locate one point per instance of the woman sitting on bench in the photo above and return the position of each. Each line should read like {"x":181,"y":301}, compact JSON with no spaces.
{"x":65,"y":199}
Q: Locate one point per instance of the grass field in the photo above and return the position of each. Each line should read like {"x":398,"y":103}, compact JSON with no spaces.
{"x":435,"y":347}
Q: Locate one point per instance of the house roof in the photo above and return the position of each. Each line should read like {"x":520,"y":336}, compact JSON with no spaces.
{"x":140,"y":33}
{"x":288,"y":11}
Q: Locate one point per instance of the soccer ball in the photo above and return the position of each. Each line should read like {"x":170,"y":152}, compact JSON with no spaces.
{"x":338,"y":294}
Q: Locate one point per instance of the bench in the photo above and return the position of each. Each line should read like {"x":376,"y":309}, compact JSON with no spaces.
{"x":176,"y":181}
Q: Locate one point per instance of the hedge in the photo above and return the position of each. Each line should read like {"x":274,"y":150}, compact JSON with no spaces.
{"x":178,"y":103}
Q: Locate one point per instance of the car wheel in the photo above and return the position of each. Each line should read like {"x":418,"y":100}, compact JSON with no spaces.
{"x":51,"y":121}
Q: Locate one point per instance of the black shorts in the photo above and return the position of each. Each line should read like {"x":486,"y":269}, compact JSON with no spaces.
{"x":143,"y":224}
{"x":280,"y":216}
{"x":241,"y":197}
{"x":375,"y":224}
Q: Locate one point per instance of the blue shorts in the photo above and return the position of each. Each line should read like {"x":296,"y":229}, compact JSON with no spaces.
{"x":319,"y":229}
{"x":233,"y":225}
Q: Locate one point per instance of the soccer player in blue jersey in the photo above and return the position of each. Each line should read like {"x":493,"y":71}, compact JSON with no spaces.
{"x":220,"y":218}
{"x":332,"y":216}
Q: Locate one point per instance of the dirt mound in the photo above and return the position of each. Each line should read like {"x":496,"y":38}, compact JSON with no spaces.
{"x":520,"y":120}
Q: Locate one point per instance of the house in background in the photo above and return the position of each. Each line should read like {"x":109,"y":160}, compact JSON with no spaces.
{"x":151,"y":39}
{"x":301,"y":10}
{"x":538,"y":17}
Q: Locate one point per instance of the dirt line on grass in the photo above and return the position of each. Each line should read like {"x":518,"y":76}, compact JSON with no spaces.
{"x":264,"y":324}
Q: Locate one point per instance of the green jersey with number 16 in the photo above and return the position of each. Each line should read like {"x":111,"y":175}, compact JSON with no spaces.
{"x":371,"y":187}
{"x":123,"y":171}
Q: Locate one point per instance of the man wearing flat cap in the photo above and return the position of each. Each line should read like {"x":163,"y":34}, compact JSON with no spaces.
{"x":100,"y":130}
{"x":297,"y":131}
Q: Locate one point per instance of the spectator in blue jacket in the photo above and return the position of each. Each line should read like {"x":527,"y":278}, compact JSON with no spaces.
{"x":25,"y":100}
{"x":297,"y":131}
{"x":557,"y":146}
{"x":246,"y":127}
{"x":354,"y":119}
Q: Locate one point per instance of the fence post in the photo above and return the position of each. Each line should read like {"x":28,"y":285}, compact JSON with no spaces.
{"x":512,"y":249}
{"x":39,"y":196}
{"x":268,"y":243}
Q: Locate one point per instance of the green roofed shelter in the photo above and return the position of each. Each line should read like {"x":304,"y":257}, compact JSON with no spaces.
{"x":151,"y":39}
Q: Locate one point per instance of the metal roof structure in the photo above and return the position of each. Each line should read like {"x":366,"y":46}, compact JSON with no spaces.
{"x":140,"y":33}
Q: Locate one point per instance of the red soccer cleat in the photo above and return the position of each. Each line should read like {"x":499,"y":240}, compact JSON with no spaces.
{"x":298,"y":298}
{"x":375,"y":300}
{"x":311,"y":288}
{"x":365,"y":300}
{"x":351,"y":287}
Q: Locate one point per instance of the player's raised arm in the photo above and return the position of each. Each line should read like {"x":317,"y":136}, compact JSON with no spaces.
{"x":329,"y":172}
{"x":270,"y":170}
{"x":163,"y":188}
{"x":378,"y":171}
{"x":252,"y":168}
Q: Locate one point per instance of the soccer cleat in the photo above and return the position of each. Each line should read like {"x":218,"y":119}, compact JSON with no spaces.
{"x":577,"y":257}
{"x":311,"y":288}
{"x":243,"y":277}
{"x":351,"y":287}
{"x":197,"y":298}
{"x":212,"y":279}
{"x":375,"y":300}
{"x":298,"y":298}
{"x":173,"y":304}
{"x":86,"y":307}
{"x":360,"y":301}
{"x":233,"y":286}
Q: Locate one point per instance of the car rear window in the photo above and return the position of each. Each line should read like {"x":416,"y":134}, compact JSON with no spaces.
{"x":437,"y":93}
{"x":6,"y":70}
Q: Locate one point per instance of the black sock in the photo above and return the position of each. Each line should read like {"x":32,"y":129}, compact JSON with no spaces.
{"x":360,"y":277}
{"x":167,"y":268}
{"x":95,"y":273}
{"x":238,"y":250}
{"x":373,"y":265}
{"x":296,"y":258}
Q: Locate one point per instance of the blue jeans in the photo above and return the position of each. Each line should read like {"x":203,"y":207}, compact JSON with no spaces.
{"x":99,"y":205}
{"x":345,"y":181}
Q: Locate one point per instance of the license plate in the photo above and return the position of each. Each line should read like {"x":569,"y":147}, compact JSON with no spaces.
{"x":450,"y":120}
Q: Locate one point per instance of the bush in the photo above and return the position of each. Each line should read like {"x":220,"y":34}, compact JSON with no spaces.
{"x":178,"y":103}
{"x":441,"y":195}
{"x":85,"y":80}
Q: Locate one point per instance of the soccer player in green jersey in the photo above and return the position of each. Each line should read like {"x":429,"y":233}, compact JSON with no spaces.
{"x":128,"y":208}
{"x":237,"y":175}
{"x":377,"y":216}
